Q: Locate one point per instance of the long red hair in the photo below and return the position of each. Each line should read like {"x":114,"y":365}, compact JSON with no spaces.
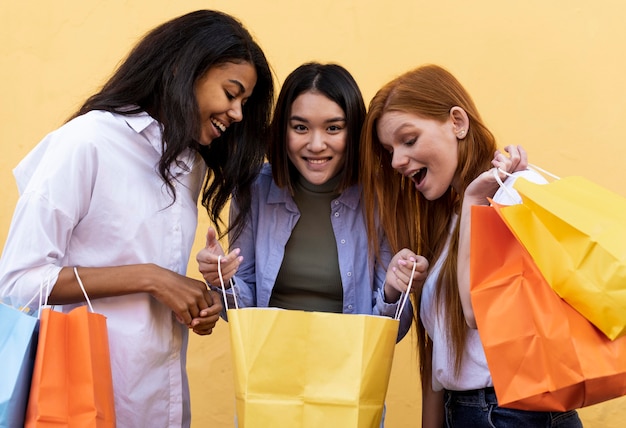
{"x":406,"y":217}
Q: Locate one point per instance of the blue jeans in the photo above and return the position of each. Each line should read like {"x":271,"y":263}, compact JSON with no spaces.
{"x":479,"y":409}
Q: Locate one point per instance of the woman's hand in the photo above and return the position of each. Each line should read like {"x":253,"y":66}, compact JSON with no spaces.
{"x":399,"y":273}
{"x":207,"y":318}
{"x":485,"y":185}
{"x":517,"y":159}
{"x":208,"y":257}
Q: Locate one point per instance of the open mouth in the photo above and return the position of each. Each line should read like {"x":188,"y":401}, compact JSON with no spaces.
{"x":419,"y":175}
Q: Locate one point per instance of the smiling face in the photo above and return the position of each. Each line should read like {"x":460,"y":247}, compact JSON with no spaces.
{"x":221,"y":94}
{"x":316,"y":137}
{"x":426,"y":150}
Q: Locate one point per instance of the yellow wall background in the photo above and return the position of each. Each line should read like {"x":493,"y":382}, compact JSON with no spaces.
{"x":545,"y":74}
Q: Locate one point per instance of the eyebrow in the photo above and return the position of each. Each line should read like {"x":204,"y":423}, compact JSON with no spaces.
{"x":242,"y":89}
{"x":331,"y":120}
{"x":401,"y":128}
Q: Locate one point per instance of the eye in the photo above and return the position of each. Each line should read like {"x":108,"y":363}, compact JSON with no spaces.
{"x":410,"y":141}
{"x":333,"y":129}
{"x":229,"y":95}
{"x":299,"y":128}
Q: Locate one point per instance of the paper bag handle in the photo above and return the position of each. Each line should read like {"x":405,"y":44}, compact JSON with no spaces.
{"x":232,"y":284}
{"x":405,"y":296}
{"x":543,"y":171}
{"x":26,"y":308}
{"x":82,"y":287}
{"x":508,"y":174}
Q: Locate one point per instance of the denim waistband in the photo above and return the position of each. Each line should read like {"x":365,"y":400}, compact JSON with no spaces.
{"x":474,"y":397}
{"x":489,"y":390}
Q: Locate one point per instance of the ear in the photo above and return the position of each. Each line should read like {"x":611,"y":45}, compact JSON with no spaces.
{"x":460,"y":122}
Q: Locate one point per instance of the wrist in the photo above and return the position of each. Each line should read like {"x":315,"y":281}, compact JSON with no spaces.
{"x":390,"y":294}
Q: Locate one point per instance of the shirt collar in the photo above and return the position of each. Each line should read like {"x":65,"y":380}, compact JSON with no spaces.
{"x":143,"y":123}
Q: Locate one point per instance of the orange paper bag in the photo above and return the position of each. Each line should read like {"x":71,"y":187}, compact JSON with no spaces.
{"x":72,"y":384}
{"x":542,"y":354}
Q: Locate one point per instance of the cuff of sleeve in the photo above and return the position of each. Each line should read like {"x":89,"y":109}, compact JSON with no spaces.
{"x":388,"y":309}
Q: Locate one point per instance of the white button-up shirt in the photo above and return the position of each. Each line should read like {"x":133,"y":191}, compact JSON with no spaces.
{"x":90,"y":195}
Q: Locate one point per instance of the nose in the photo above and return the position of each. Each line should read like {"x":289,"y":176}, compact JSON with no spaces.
{"x":398,"y":160}
{"x":236,"y":112}
{"x":316,"y":143}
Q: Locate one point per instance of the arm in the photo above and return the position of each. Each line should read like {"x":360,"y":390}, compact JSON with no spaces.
{"x":483,"y":187}
{"x":37,"y":252}
{"x":71,"y":212}
{"x":433,"y":415}
{"x":186,"y":297}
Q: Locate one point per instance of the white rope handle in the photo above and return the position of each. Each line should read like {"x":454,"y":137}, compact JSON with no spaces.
{"x":27,"y":305}
{"x":507,"y":190}
{"x":405,"y":296}
{"x":535,"y":167}
{"x":232,"y":284}
{"x":511,"y":195}
{"x":82,"y":287}
{"x":43,"y":303}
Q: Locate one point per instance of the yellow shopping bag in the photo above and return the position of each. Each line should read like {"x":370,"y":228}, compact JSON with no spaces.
{"x":298,"y":369}
{"x":310,"y":369}
{"x":575,"y":232}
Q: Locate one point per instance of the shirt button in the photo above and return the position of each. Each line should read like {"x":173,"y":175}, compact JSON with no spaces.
{"x":343,"y":241}
{"x":350,"y":307}
{"x":336,"y":214}
{"x":349,"y":273}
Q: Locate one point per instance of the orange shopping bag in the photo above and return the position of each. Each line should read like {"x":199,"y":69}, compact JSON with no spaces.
{"x":542,"y":354}
{"x":72,"y":384}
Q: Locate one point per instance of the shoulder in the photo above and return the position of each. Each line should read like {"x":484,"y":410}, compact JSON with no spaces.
{"x":264,"y":178}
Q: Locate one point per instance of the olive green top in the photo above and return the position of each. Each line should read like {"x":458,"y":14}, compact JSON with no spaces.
{"x":309,"y":277}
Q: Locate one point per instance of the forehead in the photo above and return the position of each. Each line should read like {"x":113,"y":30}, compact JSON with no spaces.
{"x":393,"y":123}
{"x":315,"y":103}
{"x":241,"y":74}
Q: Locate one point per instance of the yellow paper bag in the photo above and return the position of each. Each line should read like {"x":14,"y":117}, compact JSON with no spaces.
{"x":575,"y":232}
{"x":310,"y":369}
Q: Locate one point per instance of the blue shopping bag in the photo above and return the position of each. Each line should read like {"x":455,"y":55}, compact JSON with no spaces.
{"x":18,"y":345}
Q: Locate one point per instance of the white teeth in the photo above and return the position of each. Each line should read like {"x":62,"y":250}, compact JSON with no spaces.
{"x":219,"y":125}
{"x":317,"y":160}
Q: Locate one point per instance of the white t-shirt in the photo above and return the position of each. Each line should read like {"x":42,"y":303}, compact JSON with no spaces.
{"x":474,"y":373}
{"x":91,"y":196}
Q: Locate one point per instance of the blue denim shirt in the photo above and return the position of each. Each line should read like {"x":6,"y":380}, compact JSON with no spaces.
{"x":273,"y":217}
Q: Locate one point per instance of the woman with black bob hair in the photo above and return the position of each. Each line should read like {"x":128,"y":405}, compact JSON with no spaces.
{"x":114,"y":192}
{"x":305,"y":247}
